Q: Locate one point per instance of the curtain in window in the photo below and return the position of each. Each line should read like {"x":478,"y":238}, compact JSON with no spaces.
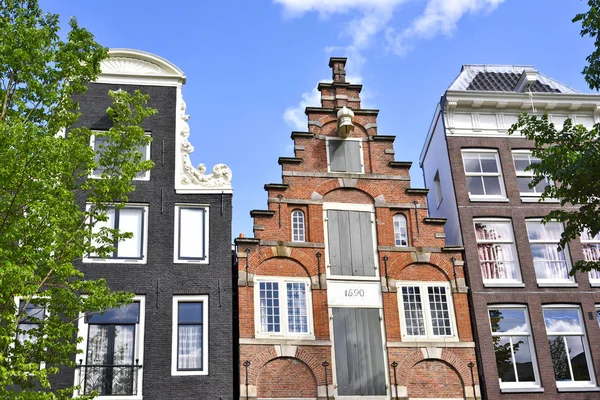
{"x":190,"y":347}
{"x":97,"y":357}
{"x":549,"y":263}
{"x":122,"y":382}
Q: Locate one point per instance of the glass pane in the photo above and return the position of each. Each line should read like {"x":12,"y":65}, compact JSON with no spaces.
{"x":109,"y":223}
{"x":540,"y":187}
{"x":127,"y":314}
{"x":508,"y":320}
{"x":123,"y":345}
{"x":131,"y":220}
{"x":189,"y":352}
{"x":190,"y":313}
{"x":524,"y":185}
{"x":492,"y":186}
{"x":97,"y":346}
{"x":144,"y":151}
{"x":559,"y":358}
{"x":475,"y":185}
{"x":471,"y":161}
{"x":561,"y":320}
{"x":33,"y":312}
{"x":99,"y":148}
{"x":297,"y":308}
{"x":413,"y":311}
{"x":523,"y":359}
{"x":440,"y":319}
{"x":191,"y":232}
{"x":521,"y":162}
{"x":579,"y":364}
{"x":269,"y":307}
{"x":488,"y":163}
{"x":493,"y":231}
{"x":400,"y":231}
{"x":504,"y":360}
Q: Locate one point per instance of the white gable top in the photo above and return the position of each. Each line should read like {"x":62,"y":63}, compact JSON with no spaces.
{"x":470,"y":71}
{"x":139,"y":67}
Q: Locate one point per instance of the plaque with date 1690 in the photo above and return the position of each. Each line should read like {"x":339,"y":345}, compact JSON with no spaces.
{"x":354,"y":294}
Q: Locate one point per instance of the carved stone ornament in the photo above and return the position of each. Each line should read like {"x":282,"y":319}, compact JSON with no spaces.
{"x":196,"y":177}
{"x":133,"y":66}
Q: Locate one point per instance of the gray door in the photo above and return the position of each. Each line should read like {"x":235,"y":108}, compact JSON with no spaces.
{"x":350,"y":243}
{"x":359,"y":362}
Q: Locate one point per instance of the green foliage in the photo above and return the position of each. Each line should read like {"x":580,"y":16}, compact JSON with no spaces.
{"x":570,"y":158}
{"x":43,"y":230}
{"x":590,"y":26}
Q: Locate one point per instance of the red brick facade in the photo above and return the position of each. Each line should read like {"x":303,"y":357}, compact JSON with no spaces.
{"x":284,"y":367}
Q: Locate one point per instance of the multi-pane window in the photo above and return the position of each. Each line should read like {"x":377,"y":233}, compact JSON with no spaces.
{"x":551,"y":265}
{"x":283,"y":307}
{"x":522,"y":160}
{"x":497,"y":253}
{"x":31,"y":315}
{"x":345,"y":155}
{"x":426,"y":310}
{"x":513,"y":347}
{"x":568,"y":346}
{"x":190,"y":331}
{"x":112,"y":351}
{"x":132,"y":219}
{"x":191,"y":234}
{"x":591,"y":252}
{"x":298,"y":230}
{"x":484,"y":176}
{"x":100,"y":143}
{"x":400,"y":231}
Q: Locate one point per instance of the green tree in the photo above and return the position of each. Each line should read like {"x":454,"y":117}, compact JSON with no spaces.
{"x":44,"y":167}
{"x":570,"y":156}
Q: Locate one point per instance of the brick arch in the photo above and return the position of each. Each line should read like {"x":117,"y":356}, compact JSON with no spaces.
{"x":423,"y":267}
{"x":348,"y":195}
{"x":286,"y":377}
{"x":269,"y":354}
{"x":256,"y":269}
{"x":326,"y":187}
{"x":434,"y":377}
{"x":399,"y":264}
{"x":408,"y":363}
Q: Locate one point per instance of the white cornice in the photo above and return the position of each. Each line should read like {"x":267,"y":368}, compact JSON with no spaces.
{"x":128,"y":66}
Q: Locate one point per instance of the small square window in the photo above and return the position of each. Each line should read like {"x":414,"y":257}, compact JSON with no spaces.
{"x":99,"y":144}
{"x":191,"y":234}
{"x":131,"y":218}
{"x":190,"y":335}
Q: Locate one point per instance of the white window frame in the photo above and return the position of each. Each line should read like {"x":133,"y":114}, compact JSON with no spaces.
{"x":586,"y":348}
{"x":398,"y":232}
{"x":174,"y":340}
{"x":527,"y":196}
{"x":145,"y":177}
{"x":144,"y":245}
{"x":594,"y":241}
{"x":551,"y":282}
{"x":138,"y":351}
{"x":351,"y":207}
{"x":529,"y":335}
{"x":283,"y":308}
{"x":301,"y":228}
{"x":46,"y":315}
{"x":362,"y":156}
{"x":426,"y":310}
{"x":499,"y":282}
{"x":177,"y":234}
{"x":499,"y":175}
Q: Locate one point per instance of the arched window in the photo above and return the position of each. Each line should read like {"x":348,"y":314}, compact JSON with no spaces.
{"x":298,"y":231}
{"x":400,"y":231}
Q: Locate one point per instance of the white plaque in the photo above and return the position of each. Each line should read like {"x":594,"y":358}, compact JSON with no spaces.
{"x":354,"y":294}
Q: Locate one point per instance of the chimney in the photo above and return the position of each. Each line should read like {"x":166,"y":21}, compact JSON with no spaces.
{"x":337,"y":65}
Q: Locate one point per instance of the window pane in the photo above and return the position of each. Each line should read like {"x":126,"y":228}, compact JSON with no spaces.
{"x":191,"y":233}
{"x":521,"y":162}
{"x":298,"y":226}
{"x":523,"y":359}
{"x":508,"y":320}
{"x":130,"y":220}
{"x":504,"y":360}
{"x":559,"y":358}
{"x":475,"y":185}
{"x":127,"y":314}
{"x":98,"y":225}
{"x":297,"y":309}
{"x":562,"y":320}
{"x":579,"y":364}
{"x":524,"y":185}
{"x":488,"y":163}
{"x":550,"y":231}
{"x":99,"y":147}
{"x":190,"y":313}
{"x":400,"y":230}
{"x":189,"y":352}
{"x":269,"y":307}
{"x":493,"y":231}
{"x":33,"y":312}
{"x":471,"y":161}
{"x":413,"y":311}
{"x":492,"y":186}
{"x":145,"y":156}
{"x":438,"y":307}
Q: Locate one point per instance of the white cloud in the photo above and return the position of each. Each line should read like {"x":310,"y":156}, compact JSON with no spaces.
{"x":373,"y":18}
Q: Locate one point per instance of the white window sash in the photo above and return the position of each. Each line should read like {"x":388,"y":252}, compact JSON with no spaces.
{"x":175,"y":336}
{"x":191,"y":234}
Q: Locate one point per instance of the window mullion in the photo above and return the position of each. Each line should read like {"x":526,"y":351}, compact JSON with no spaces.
{"x":514,"y":360}
{"x":283,"y":309}
{"x":566,"y":344}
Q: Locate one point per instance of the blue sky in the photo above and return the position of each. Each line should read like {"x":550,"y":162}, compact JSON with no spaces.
{"x":252,"y":65}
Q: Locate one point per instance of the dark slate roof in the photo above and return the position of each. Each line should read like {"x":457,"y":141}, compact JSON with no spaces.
{"x":504,"y":82}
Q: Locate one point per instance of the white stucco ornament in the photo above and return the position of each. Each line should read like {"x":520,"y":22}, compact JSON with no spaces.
{"x":345,"y":125}
{"x":195,"y":178}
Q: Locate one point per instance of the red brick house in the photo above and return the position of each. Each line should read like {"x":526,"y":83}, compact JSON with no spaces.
{"x":347,"y":289}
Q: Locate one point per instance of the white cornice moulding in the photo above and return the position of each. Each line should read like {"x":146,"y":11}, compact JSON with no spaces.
{"x":190,"y":179}
{"x":128,"y":66}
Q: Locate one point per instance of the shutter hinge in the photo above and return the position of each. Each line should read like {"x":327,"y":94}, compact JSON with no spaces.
{"x":331,"y":318}
{"x":380,"y":318}
{"x":328,"y":265}
{"x":325,"y":219}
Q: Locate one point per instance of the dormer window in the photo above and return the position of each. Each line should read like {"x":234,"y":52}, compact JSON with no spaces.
{"x":345,"y":155}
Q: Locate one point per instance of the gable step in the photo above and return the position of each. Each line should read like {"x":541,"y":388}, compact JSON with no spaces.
{"x":437,"y":221}
{"x":261,"y":213}
{"x":276,"y":186}
{"x":384,"y":138}
{"x":289,"y":160}
{"x":421,"y":191}
{"x":297,"y":134}
{"x":400,"y":164}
